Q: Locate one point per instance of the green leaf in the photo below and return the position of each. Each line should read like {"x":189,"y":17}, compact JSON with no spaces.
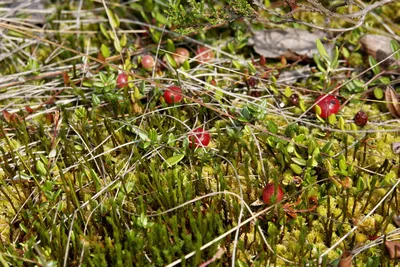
{"x":171,"y":46}
{"x":171,"y":60}
{"x":378,"y":93}
{"x":318,"y":110}
{"x":114,"y":20}
{"x":219,"y":94}
{"x":342,"y":164}
{"x":395,"y":46}
{"x":103,"y":77}
{"x":319,"y":64}
{"x":345,"y":52}
{"x":95,"y":100}
{"x":160,"y":17}
{"x":153,"y":135}
{"x":171,"y":139}
{"x":41,"y":168}
{"x":104,"y":31}
{"x":300,"y":138}
{"x":117,"y":45}
{"x":186,"y":65}
{"x":288,"y":92}
{"x":360,"y":184}
{"x":296,"y":168}
{"x":302,"y":105}
{"x":321,"y":49}
{"x":252,"y":69}
{"x":23,"y":228}
{"x":174,"y":160}
{"x":335,"y":59}
{"x":123,"y":40}
{"x":385,"y":80}
{"x":301,"y":162}
{"x":372,"y":63}
{"x":272,"y":127}
{"x":332,"y":119}
{"x":236,"y":64}
{"x":105,"y":51}
{"x":327,"y":147}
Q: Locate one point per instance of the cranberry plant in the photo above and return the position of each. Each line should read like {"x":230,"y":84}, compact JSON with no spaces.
{"x":126,"y":142}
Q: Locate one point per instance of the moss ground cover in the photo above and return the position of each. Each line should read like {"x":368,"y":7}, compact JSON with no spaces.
{"x":99,"y":165}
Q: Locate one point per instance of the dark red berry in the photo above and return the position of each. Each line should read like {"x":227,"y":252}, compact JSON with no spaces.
{"x":329,"y":104}
{"x":173,"y":94}
{"x":252,"y":82}
{"x":294,"y":98}
{"x":199,"y":137}
{"x":122,"y":80}
{"x":361,"y":118}
{"x":269,"y":192}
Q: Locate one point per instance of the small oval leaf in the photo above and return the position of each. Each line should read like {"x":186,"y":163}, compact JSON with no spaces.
{"x":174,"y":160}
{"x":296,"y":168}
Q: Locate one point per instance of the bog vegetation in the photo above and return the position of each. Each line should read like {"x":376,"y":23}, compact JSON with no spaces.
{"x":196,"y":133}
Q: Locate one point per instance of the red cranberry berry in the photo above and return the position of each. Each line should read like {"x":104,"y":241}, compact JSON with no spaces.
{"x":148,"y":62}
{"x":204,"y":54}
{"x":122,"y":80}
{"x":269,"y":192}
{"x":181,"y":54}
{"x":329,"y":104}
{"x":294,"y":98}
{"x":252,"y":82}
{"x":361,"y":118}
{"x":173,"y":94}
{"x":199,"y":137}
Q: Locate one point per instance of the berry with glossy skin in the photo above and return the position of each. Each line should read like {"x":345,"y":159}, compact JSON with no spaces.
{"x":204,"y":54}
{"x":294,"y":98}
{"x":122,"y":80}
{"x":269,"y":192}
{"x":361,"y":118}
{"x":198,"y":138}
{"x":147,"y":62}
{"x":173,"y":94}
{"x":181,"y":54}
{"x":329,"y":104}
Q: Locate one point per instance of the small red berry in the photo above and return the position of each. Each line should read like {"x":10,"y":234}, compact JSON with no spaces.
{"x":181,"y":54}
{"x":269,"y":192}
{"x":199,"y":137}
{"x":122,"y":80}
{"x":252,"y":82}
{"x":329,"y":104}
{"x":204,"y":54}
{"x":294,"y":98}
{"x":361,"y":118}
{"x":148,"y":62}
{"x":173,"y":94}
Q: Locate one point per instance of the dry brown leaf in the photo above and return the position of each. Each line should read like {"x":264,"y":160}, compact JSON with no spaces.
{"x":393,"y":248}
{"x":392,"y":101}
{"x":378,"y":46}
{"x":345,"y":259}
{"x":289,"y":43}
{"x":292,"y":76}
